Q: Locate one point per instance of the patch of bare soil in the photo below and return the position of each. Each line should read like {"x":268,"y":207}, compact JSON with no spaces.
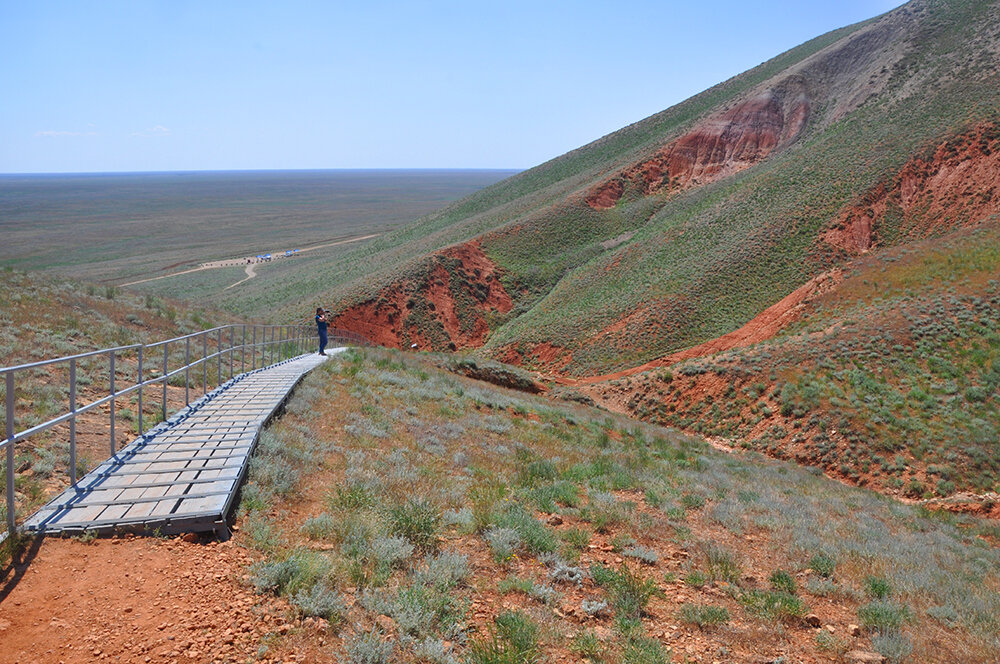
{"x":135,"y":600}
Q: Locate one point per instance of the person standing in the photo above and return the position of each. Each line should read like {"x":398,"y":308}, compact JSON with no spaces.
{"x":321,"y":329}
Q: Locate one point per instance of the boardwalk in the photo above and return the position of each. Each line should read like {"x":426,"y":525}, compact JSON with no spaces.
{"x":183,"y":474}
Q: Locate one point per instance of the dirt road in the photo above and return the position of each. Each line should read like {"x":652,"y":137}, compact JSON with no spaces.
{"x":233,"y":262}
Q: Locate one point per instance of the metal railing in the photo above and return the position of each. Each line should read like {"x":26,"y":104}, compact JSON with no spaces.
{"x":220,"y":352}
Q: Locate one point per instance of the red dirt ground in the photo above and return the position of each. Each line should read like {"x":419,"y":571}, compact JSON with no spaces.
{"x":134,"y":600}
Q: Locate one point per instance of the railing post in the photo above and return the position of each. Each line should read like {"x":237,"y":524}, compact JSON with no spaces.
{"x":232,"y":349}
{"x":253,"y":350}
{"x":271,"y":345}
{"x":72,"y":421}
{"x":11,"y":520}
{"x":165,"y":351}
{"x":204,"y":361}
{"x":187,"y":371}
{"x":218,"y":355}
{"x":243,"y":351}
{"x":113,"y":441}
{"x":140,"y":390}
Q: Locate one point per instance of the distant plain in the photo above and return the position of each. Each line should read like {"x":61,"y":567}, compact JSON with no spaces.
{"x":120,"y":227}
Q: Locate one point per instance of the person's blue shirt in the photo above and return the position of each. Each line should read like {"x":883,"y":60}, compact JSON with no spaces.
{"x":320,"y":323}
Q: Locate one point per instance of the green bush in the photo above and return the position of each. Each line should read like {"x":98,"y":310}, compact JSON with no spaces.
{"x":628,"y":589}
{"x":876,"y":587}
{"x":783,"y":581}
{"x":773,"y":605}
{"x":513,"y":640}
{"x":883,"y":615}
{"x":417,"y":520}
{"x":704,"y":615}
{"x":823,"y":564}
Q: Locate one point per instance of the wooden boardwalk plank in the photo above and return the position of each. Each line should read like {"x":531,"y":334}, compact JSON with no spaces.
{"x":183,"y":474}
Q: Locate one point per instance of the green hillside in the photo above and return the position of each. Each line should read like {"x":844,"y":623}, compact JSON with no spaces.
{"x":669,"y":265}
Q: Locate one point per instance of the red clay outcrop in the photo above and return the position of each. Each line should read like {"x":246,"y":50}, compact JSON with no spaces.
{"x":720,"y":146}
{"x":954,"y":187}
{"x":444,"y":308}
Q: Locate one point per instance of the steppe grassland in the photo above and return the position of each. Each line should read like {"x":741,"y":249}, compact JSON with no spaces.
{"x":431,"y":519}
{"x":122,"y":227}
{"x":893,"y":378}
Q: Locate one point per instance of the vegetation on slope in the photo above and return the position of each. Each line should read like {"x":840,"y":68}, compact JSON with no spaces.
{"x":430,"y":518}
{"x":665,"y":268}
{"x":891,"y":379}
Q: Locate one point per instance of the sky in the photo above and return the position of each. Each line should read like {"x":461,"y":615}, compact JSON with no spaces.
{"x":137,"y":85}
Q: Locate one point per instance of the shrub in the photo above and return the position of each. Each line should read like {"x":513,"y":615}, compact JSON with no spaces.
{"x":704,"y":615}
{"x":367,"y":648}
{"x":318,"y":527}
{"x":300,"y":570}
{"x":445,"y":570}
{"x":643,"y":650}
{"x":587,"y":644}
{"x":433,"y":651}
{"x":513,"y":640}
{"x":629,"y":591}
{"x":721,"y":565}
{"x":773,"y":604}
{"x":823,"y":564}
{"x":593,"y":607}
{"x":417,"y":520}
{"x":692,"y":501}
{"x":876,"y":587}
{"x":831,"y":643}
{"x":534,"y":535}
{"x":561,"y":572}
{"x":504,"y":543}
{"x":321,"y":602}
{"x":945,"y":614}
{"x":883,"y":615}
{"x":783,"y":581}
{"x":390,"y":552}
{"x":577,"y":538}
{"x":643,"y":553}
{"x":893,"y":646}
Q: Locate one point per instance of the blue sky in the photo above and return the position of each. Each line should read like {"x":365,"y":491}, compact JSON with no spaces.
{"x":177,"y":85}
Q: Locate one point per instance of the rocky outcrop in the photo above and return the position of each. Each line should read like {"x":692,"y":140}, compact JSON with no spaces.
{"x":720,"y":146}
{"x":954,"y":187}
{"x":443,"y":305}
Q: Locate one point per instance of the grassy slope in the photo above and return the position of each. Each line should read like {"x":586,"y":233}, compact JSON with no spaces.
{"x":711,"y":259}
{"x":892,"y":379}
{"x":426,"y":507}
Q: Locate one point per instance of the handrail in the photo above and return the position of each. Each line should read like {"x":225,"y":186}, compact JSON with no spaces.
{"x":265,"y":344}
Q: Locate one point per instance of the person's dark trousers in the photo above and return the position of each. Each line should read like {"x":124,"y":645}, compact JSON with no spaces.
{"x":322,"y":341}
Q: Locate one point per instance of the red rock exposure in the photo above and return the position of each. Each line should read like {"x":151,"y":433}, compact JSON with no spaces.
{"x":955,"y":187}
{"x":441,"y":309}
{"x":720,"y":146}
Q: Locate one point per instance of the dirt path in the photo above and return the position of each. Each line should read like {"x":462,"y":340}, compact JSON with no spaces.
{"x":251,"y":273}
{"x":133,"y":600}
{"x":233,"y":262}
